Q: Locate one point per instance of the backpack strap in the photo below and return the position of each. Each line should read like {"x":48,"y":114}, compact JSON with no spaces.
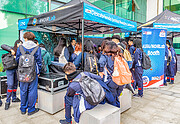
{"x":34,"y":50}
{"x":44,"y":54}
{"x":77,"y":79}
{"x":22,"y":50}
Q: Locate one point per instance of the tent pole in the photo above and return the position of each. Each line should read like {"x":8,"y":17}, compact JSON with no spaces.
{"x":82,"y":44}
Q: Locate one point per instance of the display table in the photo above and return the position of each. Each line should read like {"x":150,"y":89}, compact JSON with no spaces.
{"x":51,"y":92}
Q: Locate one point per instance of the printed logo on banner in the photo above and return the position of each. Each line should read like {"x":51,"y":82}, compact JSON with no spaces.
{"x":22,"y":24}
{"x":88,"y":11}
{"x":46,"y":19}
{"x":147,"y":32}
{"x":145,"y":80}
{"x":162,"y":34}
{"x":34,"y":21}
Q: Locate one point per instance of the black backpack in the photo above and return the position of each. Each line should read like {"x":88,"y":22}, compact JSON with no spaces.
{"x":92,"y":90}
{"x":8,"y":61}
{"x":27,"y":66}
{"x":43,"y":67}
{"x":90,"y":64}
{"x":146,"y":61}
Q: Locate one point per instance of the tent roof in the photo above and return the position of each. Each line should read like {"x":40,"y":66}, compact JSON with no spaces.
{"x":67,"y":19}
{"x":166,"y":19}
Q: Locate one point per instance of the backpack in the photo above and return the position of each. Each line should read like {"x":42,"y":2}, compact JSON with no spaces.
{"x":121,"y":74}
{"x":62,"y":58}
{"x":146,"y":61}
{"x":43,"y":67}
{"x":92,"y":90}
{"x":91,"y":63}
{"x":27,"y":66}
{"x":8,"y":61}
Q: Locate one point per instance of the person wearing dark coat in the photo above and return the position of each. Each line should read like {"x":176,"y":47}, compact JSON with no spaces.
{"x":12,"y":81}
{"x":71,"y":47}
{"x":28,"y":91}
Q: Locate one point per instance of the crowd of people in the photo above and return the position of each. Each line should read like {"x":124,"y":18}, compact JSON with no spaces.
{"x":96,"y":63}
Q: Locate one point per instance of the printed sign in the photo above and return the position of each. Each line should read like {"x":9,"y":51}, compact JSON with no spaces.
{"x":154,"y":41}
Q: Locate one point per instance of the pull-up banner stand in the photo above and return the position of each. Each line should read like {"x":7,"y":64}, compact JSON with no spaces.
{"x":154,"y":41}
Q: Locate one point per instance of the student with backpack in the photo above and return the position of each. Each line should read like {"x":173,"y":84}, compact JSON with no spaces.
{"x":90,"y":58}
{"x":166,"y":61}
{"x":12,"y":81}
{"x":46,"y":59}
{"x":29,"y":61}
{"x":61,"y":53}
{"x":107,"y":69}
{"x":83,"y":92}
{"x":137,"y":67}
{"x":171,"y":63}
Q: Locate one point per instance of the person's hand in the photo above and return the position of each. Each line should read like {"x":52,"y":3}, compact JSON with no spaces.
{"x":101,"y":74}
{"x":12,"y":52}
{"x":38,"y":75}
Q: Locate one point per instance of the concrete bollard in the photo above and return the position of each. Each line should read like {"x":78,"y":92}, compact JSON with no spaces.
{"x":125,"y":100}
{"x":101,"y":114}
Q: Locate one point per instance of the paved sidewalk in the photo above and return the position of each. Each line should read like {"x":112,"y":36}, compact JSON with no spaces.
{"x":158,"y":106}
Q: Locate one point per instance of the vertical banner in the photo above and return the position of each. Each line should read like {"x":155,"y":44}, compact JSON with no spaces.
{"x":153,"y":41}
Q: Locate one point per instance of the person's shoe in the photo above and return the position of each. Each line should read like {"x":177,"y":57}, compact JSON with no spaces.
{"x":64,"y":122}
{"x":23,"y":113}
{"x":0,"y":103}
{"x":137,"y":95}
{"x":7,"y":106}
{"x":171,"y":82}
{"x":165,"y":84}
{"x":16,"y":100}
{"x":31,"y":113}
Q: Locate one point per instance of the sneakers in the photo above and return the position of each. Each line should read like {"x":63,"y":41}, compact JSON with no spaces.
{"x":137,"y":95}
{"x":7,"y":106}
{"x":0,"y":103}
{"x":165,"y":84}
{"x":36,"y":110}
{"x":64,"y":122}
{"x":16,"y":100}
{"x":23,"y":113}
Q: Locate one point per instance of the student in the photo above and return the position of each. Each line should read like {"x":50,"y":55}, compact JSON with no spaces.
{"x":137,"y":67}
{"x":116,"y":39}
{"x":171,"y":66}
{"x":59,"y":50}
{"x":46,"y":57}
{"x":165,"y":64}
{"x":28,"y":91}
{"x":88,"y":47}
{"x":99,"y":52}
{"x":106,"y":68}
{"x":12,"y":81}
{"x":71,"y":47}
{"x":0,"y":102}
{"x":131,"y":47}
{"x":74,"y":92}
{"x":78,"y":50}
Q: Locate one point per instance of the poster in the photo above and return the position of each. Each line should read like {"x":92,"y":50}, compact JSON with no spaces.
{"x":153,"y":41}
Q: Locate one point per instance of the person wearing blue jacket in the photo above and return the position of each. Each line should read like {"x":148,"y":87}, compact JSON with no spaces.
{"x":106,"y":68}
{"x":12,"y":82}
{"x":137,"y":67}
{"x":1,"y":102}
{"x":165,"y":64}
{"x":75,"y":94}
{"x":28,"y":91}
{"x":172,"y":64}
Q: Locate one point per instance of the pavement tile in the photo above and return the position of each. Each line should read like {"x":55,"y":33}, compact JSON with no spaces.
{"x":43,"y":119}
{"x":39,"y":113}
{"x":131,"y":120}
{"x":170,"y":98}
{"x":13,"y":119}
{"x":143,"y":116}
{"x":159,"y":120}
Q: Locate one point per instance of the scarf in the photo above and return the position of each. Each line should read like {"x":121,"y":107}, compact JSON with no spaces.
{"x":71,"y":76}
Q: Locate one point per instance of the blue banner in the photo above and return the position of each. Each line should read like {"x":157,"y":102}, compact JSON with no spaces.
{"x":154,"y":41}
{"x":22,"y":24}
{"x":94,"y":14}
{"x":169,"y":27}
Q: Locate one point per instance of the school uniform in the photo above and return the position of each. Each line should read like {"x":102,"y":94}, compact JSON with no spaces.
{"x":106,"y":61}
{"x":171,"y":66}
{"x":12,"y":82}
{"x":74,"y":96}
{"x":46,"y":57}
{"x":28,"y":91}
{"x":138,"y":70}
{"x":78,"y":60}
{"x":165,"y":63}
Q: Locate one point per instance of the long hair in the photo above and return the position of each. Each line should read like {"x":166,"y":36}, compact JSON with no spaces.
{"x":89,"y":47}
{"x":15,"y":45}
{"x":138,"y":44}
{"x":60,"y":46}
